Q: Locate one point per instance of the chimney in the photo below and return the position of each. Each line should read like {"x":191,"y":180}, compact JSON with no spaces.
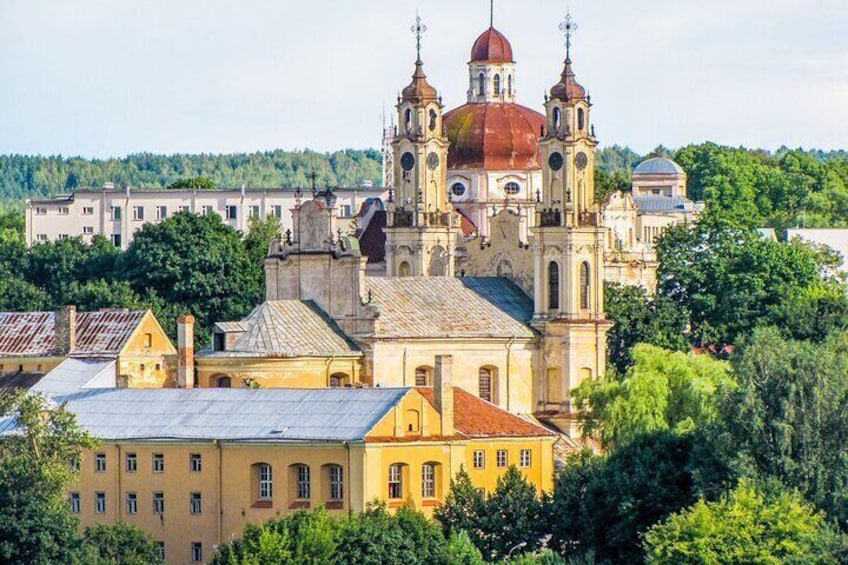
{"x":65,"y":330}
{"x":185,"y":355}
{"x":443,"y":392}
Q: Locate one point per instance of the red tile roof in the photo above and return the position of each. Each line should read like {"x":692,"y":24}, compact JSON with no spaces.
{"x":98,"y":334}
{"x":476,"y":418}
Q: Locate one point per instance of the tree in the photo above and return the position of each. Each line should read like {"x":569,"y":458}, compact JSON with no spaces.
{"x":36,"y":526}
{"x":662,"y":391}
{"x":259,"y":235}
{"x":120,"y":544}
{"x":512,"y":517}
{"x":461,"y":551}
{"x":464,"y":509}
{"x":202,"y":183}
{"x":746,"y":527}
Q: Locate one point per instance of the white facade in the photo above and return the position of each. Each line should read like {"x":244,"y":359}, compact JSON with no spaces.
{"x":118,"y":213}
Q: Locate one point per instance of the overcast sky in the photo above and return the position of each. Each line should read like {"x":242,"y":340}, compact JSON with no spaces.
{"x":108,"y":78}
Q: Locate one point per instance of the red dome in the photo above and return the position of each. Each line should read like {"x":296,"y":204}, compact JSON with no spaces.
{"x":493,"y":136}
{"x":492,"y":47}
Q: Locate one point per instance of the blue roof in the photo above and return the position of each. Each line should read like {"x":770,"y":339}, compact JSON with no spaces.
{"x":658,"y":166}
{"x":660,"y":203}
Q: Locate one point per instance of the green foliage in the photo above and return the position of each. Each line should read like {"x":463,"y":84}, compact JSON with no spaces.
{"x":260,"y":232}
{"x":546,"y":557}
{"x":461,"y":551}
{"x":746,"y":527}
{"x":202,"y":183}
{"x":512,"y":517}
{"x":661,"y":391}
{"x":463,"y":509}
{"x":119,"y":544}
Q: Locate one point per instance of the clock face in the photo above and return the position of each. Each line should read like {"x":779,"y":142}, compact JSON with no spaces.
{"x":581,"y":161}
{"x":433,"y":160}
{"x":407,"y":161}
{"x":555,"y":161}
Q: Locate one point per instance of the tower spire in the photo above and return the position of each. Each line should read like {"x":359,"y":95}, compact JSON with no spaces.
{"x":491,"y":13}
{"x":418,"y":29}
{"x":568,"y":27}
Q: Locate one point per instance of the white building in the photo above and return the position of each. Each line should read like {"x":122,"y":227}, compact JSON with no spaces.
{"x":118,"y":213}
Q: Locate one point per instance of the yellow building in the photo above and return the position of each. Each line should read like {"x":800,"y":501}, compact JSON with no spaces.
{"x":193,"y":467}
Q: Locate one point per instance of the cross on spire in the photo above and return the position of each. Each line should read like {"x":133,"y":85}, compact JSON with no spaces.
{"x":568,"y":27}
{"x":418,"y":29}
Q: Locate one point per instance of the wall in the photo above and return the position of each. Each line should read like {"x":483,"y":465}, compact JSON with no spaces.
{"x":152,"y":366}
{"x":298,"y":372}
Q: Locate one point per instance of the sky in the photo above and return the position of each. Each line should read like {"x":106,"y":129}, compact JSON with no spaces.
{"x":104,"y":78}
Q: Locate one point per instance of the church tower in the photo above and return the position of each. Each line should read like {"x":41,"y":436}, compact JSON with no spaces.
{"x":568,"y":248}
{"x":420,"y":225}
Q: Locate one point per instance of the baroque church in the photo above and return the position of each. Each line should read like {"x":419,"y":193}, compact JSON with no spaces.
{"x":494,"y":251}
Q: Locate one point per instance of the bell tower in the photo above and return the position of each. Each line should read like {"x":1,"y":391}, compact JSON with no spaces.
{"x":420,"y":225}
{"x":568,"y":248}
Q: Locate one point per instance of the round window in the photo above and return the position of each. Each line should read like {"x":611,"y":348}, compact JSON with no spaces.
{"x":512,"y":188}
{"x":458,"y":189}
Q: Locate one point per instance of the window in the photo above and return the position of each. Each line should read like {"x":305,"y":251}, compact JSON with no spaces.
{"x":254,"y":211}
{"x":433,"y":120}
{"x":41,"y":237}
{"x":584,"y":284}
{"x":266,"y":482}
{"x":87,"y":230}
{"x":196,"y":552}
{"x":161,"y":212}
{"x":158,"y":463}
{"x":224,"y":382}
{"x":100,"y":462}
{"x":148,"y":340}
{"x":115,"y":212}
{"x":160,"y":549}
{"x":132,"y":503}
{"x":206,"y":210}
{"x":63,"y":210}
{"x":303,"y":484}
{"x":336,"y":482}
{"x":196,"y":462}
{"x":526,"y":458}
{"x":63,"y":236}
{"x":339,"y":380}
{"x":503,"y":459}
{"x":41,"y":211}
{"x":485,"y":384}
{"x":396,"y":481}
{"x":497,"y":85}
{"x":88,"y":211}
{"x":428,"y":480}
{"x":422,"y":376}
{"x":73,"y":462}
{"x":196,"y":503}
{"x":185,"y":209}
{"x":413,"y":421}
{"x":132,"y":462}
{"x":138,"y":213}
{"x":116,"y":239}
{"x":74,"y":500}
{"x":481,"y":84}
{"x":479,"y":459}
{"x":512,"y":188}
{"x":276,"y":211}
{"x":458,"y":189}
{"x":509,"y":85}
{"x":345,"y":211}
{"x":404,"y":270}
{"x":553,"y":285}
{"x":232,"y":212}
{"x":407,"y":119}
{"x":581,"y":118}
{"x":100,"y":502}
{"x":158,"y":502}
{"x":557,"y":116}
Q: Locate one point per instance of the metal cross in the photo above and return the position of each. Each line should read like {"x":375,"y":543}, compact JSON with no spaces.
{"x":418,"y":29}
{"x":568,"y":27}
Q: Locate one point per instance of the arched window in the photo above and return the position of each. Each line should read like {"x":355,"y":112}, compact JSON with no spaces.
{"x":553,"y":285}
{"x":512,"y":188}
{"x":584,"y":284}
{"x":404,"y":270}
{"x":433,"y":118}
{"x":509,"y":84}
{"x":430,"y":487}
{"x":487,"y":384}
{"x":497,"y":85}
{"x":412,"y":419}
{"x":396,"y":476}
{"x":300,"y":482}
{"x":481,"y":84}
{"x":407,"y":119}
{"x":334,"y":485}
{"x":423,"y":376}
{"x":557,"y":118}
{"x":262,"y":479}
{"x":338,"y":380}
{"x":223,"y":382}
{"x":581,"y":119}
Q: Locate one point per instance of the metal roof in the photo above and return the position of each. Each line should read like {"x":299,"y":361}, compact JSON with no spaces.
{"x":443,"y":307}
{"x":658,"y":166}
{"x":72,"y":375}
{"x":660,"y":203}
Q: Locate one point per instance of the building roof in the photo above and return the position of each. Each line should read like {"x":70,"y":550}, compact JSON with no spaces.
{"x":419,"y":91}
{"x":491,"y":47}
{"x":660,"y":203}
{"x":72,"y":375}
{"x":98,"y":334}
{"x":476,"y":418}
{"x":658,"y":166}
{"x":10,"y":382}
{"x":444,"y":307}
{"x":287,"y":328}
{"x":493,"y":136}
{"x":568,"y":88}
{"x":836,"y":239}
{"x":275,"y":415}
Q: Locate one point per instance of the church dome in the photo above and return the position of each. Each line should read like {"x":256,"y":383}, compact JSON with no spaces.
{"x":493,"y":136}
{"x":658,"y":166}
{"x":491,"y":47}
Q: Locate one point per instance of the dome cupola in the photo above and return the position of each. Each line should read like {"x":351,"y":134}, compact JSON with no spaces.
{"x":491,"y":47}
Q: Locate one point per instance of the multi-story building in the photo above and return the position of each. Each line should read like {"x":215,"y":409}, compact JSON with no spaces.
{"x":118,"y":213}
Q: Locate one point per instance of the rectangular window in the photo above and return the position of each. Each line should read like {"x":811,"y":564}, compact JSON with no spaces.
{"x":63,"y":211}
{"x":41,"y":211}
{"x":73,"y":462}
{"x":428,"y":480}
{"x":206,"y":210}
{"x":158,"y":462}
{"x":74,"y":500}
{"x":195,"y":505}
{"x":185,"y":209}
{"x":196,"y":552}
{"x":526,"y":458}
{"x":344,"y":210}
{"x":479,"y":459}
{"x":100,"y":502}
{"x":132,"y":503}
{"x":41,"y":237}
{"x":232,"y":212}
{"x":63,"y":236}
{"x":148,"y":340}
{"x":395,"y":481}
{"x":87,"y":211}
{"x":503,"y":460}
{"x":266,"y":482}
{"x":100,"y":462}
{"x":160,"y":550}
{"x":158,"y":502}
{"x":196,"y":463}
{"x":88,"y":230}
{"x":138,"y":213}
{"x":132,"y":462}
{"x":161,"y":212}
{"x":254,"y":211}
{"x":116,"y":239}
{"x":303,"y":481}
{"x":336,"y":482}
{"x":115,"y":213}
{"x":276,"y":211}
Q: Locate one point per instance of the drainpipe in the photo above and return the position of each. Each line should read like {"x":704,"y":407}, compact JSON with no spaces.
{"x":220,"y":493}
{"x":508,"y":354}
{"x":404,"y":366}
{"x":327,"y":364}
{"x":118,"y":497}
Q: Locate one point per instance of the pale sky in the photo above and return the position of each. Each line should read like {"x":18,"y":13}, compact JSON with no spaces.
{"x":108,"y":78}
